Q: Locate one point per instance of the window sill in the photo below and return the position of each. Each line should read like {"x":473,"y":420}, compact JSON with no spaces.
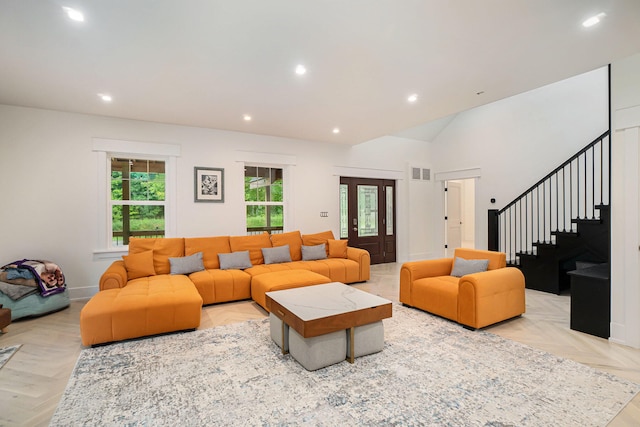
{"x":110,"y":254}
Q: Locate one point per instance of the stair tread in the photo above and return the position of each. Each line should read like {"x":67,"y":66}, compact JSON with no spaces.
{"x":527,"y":253}
{"x":586,"y":221}
{"x":544,"y":244}
{"x":565,"y":233}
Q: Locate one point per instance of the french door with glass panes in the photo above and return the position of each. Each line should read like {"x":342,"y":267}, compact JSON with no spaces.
{"x":367,"y":216}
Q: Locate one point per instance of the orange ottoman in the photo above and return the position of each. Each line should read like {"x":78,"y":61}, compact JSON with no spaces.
{"x":146,"y":306}
{"x":279,"y":280}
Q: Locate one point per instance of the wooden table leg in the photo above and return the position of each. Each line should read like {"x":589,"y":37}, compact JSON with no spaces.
{"x":284,"y":351}
{"x":352,"y":354}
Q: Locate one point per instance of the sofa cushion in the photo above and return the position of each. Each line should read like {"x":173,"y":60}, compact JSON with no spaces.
{"x":163,"y":248}
{"x":235,"y":260}
{"x":462,"y":267}
{"x":215,"y":285}
{"x":337,"y":248}
{"x":256,"y":270}
{"x":253,"y":244}
{"x":276,"y":255}
{"x":337,"y":269}
{"x":210,"y":248}
{"x":139,"y":265}
{"x":187,"y":265}
{"x":318,"y":239}
{"x":146,"y":306}
{"x":312,"y":253}
{"x":293,"y":239}
{"x":276,"y":281}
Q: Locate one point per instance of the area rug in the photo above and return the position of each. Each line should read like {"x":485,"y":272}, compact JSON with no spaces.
{"x":431,"y":372}
{"x":7,"y":352}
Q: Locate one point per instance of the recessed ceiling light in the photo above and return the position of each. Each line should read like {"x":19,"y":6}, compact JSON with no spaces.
{"x":593,"y":20}
{"x":105,"y":97}
{"x":301,"y":70}
{"x":73,"y":14}
{"x":413,"y":98}
{"x":336,"y":130}
{"x":247,"y":118}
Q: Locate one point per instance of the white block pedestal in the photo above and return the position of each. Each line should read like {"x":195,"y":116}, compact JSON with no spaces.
{"x":368,"y":339}
{"x":324,"y":350}
{"x":276,"y":327}
{"x":318,"y":352}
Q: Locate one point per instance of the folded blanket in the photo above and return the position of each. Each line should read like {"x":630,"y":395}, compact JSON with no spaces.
{"x":21,"y":280}
{"x":15,"y":292}
{"x":48,"y":276}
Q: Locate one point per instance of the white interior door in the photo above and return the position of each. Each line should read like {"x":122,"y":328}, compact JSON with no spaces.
{"x":454,"y":216}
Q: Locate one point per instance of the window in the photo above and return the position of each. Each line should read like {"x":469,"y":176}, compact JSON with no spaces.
{"x":136,"y":192}
{"x":263,"y":196}
{"x":137,"y":202}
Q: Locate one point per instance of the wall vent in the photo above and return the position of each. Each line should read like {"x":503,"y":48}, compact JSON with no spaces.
{"x":419,"y":174}
{"x":415,"y":173}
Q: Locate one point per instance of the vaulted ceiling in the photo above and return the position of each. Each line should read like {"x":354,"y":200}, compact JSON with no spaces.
{"x":210,"y":63}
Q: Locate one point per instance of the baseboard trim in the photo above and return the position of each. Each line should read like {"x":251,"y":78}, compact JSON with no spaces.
{"x":617,"y":333}
{"x":82,"y":293}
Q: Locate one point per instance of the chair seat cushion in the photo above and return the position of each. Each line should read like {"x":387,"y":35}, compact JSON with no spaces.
{"x":437,"y":295}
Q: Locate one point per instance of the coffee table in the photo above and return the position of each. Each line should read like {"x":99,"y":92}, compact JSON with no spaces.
{"x":318,"y":310}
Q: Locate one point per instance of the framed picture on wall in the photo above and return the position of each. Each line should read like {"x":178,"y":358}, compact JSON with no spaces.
{"x":209,"y":184}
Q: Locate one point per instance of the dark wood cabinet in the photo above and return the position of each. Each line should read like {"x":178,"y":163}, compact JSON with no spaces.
{"x":591,"y":300}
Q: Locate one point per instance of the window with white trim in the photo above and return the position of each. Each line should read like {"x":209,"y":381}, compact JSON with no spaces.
{"x":136,"y":195}
{"x":264,"y":199}
{"x":137,"y":202}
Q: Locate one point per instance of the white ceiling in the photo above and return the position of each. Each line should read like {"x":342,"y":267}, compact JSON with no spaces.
{"x":207,"y":62}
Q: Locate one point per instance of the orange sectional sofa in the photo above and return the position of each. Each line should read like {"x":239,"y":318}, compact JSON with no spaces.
{"x":161,"y":285}
{"x":474,"y":300}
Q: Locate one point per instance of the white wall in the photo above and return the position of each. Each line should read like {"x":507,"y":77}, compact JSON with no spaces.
{"x":414,"y":197}
{"x":48,"y":177}
{"x":516,"y":141}
{"x":625,"y":202}
{"x":48,"y":183}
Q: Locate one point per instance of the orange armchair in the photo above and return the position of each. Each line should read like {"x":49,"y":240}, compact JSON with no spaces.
{"x":474,"y":300}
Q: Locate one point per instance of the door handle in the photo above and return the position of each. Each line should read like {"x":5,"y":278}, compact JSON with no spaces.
{"x":355,"y":228}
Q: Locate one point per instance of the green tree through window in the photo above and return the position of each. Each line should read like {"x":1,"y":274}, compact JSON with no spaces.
{"x":137,"y":199}
{"x":263,"y":195}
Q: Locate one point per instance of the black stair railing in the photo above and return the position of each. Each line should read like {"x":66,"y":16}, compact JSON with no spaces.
{"x":573,"y":190}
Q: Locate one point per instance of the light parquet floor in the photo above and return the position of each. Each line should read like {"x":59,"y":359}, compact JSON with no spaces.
{"x":32,"y":382}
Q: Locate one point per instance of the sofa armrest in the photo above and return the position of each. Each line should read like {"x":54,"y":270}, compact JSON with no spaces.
{"x":114,"y":277}
{"x":491,"y":296}
{"x":362,"y":257}
{"x":415,"y":270}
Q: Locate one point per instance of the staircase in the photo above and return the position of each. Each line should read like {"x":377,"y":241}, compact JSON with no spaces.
{"x":562,"y":219}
